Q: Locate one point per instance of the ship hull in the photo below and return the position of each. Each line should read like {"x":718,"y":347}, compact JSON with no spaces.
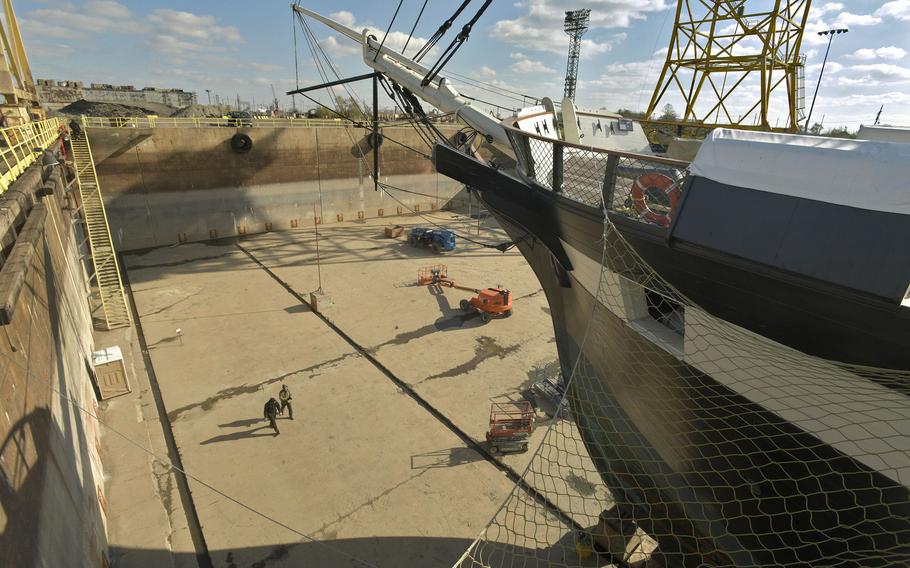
{"x":715,"y":477}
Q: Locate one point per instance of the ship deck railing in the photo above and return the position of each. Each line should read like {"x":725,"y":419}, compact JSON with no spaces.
{"x":594,"y":176}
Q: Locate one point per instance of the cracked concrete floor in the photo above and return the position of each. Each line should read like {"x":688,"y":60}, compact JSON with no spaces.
{"x":363,"y":470}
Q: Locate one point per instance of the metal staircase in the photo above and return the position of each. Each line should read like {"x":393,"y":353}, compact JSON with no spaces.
{"x":104,"y":257}
{"x":801,"y":89}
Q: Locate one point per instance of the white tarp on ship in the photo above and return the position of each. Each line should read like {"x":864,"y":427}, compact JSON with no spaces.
{"x":856,"y":173}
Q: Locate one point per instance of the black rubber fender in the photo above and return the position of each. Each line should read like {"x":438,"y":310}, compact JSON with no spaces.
{"x":241,"y":143}
{"x":374,"y":140}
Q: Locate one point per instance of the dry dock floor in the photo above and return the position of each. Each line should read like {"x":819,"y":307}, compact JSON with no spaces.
{"x":365,"y":470}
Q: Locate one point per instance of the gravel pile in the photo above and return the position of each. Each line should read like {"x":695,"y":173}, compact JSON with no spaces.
{"x":89,"y":108}
{"x":208,"y":111}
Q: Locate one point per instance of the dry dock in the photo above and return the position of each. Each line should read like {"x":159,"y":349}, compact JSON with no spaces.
{"x":387,"y":384}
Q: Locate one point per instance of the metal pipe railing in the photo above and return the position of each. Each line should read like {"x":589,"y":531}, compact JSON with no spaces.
{"x":205,"y":122}
{"x":21,"y":146}
{"x":642,"y":186}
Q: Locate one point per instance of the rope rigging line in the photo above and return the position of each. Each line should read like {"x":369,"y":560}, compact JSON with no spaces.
{"x":501,"y":91}
{"x":388,"y":29}
{"x":296,"y":65}
{"x":393,"y":91}
{"x":361,"y":106}
{"x":412,"y":103}
{"x":417,"y":21}
{"x":437,"y":35}
{"x":454,"y":46}
{"x":316,"y":50}
{"x":361,"y":124}
{"x":470,"y":98}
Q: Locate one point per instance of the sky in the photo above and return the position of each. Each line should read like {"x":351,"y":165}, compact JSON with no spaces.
{"x":241,"y":48}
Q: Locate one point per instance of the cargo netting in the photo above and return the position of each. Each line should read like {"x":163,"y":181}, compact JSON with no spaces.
{"x":689,"y":441}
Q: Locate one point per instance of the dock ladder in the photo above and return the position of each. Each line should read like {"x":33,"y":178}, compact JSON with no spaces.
{"x":104,"y":257}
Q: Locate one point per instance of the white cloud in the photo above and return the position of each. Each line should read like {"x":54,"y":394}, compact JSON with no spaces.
{"x":898,"y":9}
{"x":344,"y":17}
{"x":80,"y":20}
{"x":543,"y":39}
{"x":182,"y":34}
{"x":335,"y":48}
{"x":111,"y":9}
{"x":830,"y":68}
{"x":524,"y":65}
{"x":541,"y":28}
{"x":819,"y":11}
{"x":882,"y":72}
{"x":265,"y":67}
{"x":487,"y":72}
{"x":195,"y":26}
{"x":846,"y":20}
{"x":889,"y":52}
{"x":395,"y":40}
{"x":176,"y":46}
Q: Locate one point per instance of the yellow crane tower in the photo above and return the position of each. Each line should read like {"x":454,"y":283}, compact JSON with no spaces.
{"x":20,"y":104}
{"x":735,"y":63}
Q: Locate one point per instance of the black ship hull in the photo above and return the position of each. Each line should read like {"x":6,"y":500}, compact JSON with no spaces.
{"x":750,"y":488}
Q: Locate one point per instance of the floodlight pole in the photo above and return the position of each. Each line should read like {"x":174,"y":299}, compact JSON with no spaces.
{"x":830,"y":34}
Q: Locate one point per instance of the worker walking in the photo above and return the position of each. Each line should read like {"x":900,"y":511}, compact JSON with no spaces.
{"x":270,"y":413}
{"x":285,"y":396}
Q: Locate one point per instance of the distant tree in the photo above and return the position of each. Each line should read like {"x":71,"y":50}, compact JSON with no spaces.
{"x":836,"y":132}
{"x":628,"y":113}
{"x":840,"y":132}
{"x":668,"y":113}
{"x":344,"y":106}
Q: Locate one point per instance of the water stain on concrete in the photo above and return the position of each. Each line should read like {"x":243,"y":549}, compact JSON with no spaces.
{"x":486,"y":348}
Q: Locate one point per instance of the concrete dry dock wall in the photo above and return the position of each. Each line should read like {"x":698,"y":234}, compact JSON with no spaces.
{"x":50,"y":470}
{"x":167,"y":185}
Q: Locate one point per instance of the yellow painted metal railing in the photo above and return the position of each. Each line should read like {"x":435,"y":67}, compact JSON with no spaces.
{"x":203,"y":122}
{"x":21,"y":145}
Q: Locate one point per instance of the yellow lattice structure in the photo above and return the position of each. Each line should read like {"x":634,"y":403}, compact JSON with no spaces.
{"x":735,"y":63}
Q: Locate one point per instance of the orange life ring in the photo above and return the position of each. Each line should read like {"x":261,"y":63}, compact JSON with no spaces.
{"x":660,"y":182}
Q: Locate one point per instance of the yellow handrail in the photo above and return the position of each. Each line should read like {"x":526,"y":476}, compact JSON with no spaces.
{"x":21,"y":145}
{"x":204,"y":122}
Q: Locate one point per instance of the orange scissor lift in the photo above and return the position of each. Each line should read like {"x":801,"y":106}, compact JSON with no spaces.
{"x":488,"y":302}
{"x":511,"y":425}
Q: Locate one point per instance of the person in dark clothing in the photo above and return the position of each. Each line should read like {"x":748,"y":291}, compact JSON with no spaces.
{"x":75,"y":128}
{"x":270,"y":413}
{"x":285,"y":396}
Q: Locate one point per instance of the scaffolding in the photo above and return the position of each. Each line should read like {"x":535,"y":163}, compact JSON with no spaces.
{"x":576,"y":24}
{"x":735,"y":63}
